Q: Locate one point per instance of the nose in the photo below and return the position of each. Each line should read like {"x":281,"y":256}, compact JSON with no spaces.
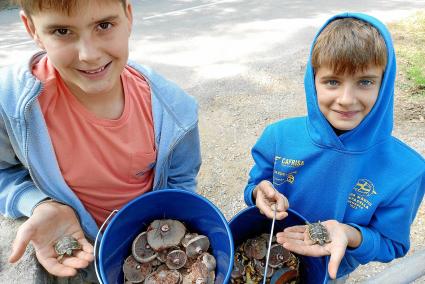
{"x":347,"y":96}
{"x":88,"y":49}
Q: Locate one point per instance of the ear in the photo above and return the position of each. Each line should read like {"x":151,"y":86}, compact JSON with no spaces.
{"x":29,"y":26}
{"x":129,"y":13}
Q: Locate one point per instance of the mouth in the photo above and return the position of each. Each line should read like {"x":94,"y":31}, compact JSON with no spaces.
{"x":347,"y":114}
{"x":97,"y":71}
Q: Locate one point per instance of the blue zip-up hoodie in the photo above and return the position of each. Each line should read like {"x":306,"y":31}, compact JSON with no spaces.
{"x":365,"y":177}
{"x":29,"y":171}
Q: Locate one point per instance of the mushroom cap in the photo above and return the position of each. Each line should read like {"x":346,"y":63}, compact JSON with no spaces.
{"x":164,"y":277}
{"x":199,"y":272}
{"x":211,"y":277}
{"x":266,"y":236}
{"x":255,"y":248}
{"x":278,"y":256}
{"x":187,"y":238}
{"x":162,"y":267}
{"x":141,"y":250}
{"x":201,"y":281}
{"x":176,"y":259}
{"x":134,"y":271}
{"x":197,"y":246}
{"x":208,"y":260}
{"x":259,"y":266}
{"x":162,"y":234}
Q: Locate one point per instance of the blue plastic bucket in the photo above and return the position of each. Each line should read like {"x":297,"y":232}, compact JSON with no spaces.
{"x":196,"y":212}
{"x":250,"y":223}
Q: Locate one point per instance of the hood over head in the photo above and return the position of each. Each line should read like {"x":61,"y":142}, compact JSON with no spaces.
{"x":378,"y":123}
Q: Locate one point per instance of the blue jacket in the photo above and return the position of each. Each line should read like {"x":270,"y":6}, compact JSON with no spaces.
{"x":365,"y":177}
{"x":29,"y":170}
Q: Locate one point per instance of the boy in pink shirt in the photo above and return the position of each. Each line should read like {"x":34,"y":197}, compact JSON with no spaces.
{"x":83,"y":131}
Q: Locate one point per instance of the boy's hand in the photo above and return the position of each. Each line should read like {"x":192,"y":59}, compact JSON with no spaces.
{"x":296,"y":239}
{"x":266,"y":197}
{"x":49,"y":222}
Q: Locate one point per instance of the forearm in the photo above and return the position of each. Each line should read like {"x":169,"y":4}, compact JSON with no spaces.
{"x":18,"y":193}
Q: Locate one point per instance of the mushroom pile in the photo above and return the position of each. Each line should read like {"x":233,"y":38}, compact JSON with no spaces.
{"x":166,"y":253}
{"x":250,"y":260}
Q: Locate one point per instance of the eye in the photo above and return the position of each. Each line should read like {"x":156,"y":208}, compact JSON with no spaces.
{"x":366,"y":83}
{"x":332,"y":83}
{"x":104,"y":26}
{"x":61,"y":32}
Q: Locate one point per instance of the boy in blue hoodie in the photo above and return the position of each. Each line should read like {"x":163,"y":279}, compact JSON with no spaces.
{"x":83,"y":131}
{"x":340,"y":164}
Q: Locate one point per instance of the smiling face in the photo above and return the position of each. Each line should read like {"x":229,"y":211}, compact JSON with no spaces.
{"x":346,"y":99}
{"x":88,"y":47}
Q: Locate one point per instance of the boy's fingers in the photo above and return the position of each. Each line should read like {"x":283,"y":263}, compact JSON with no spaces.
{"x":281,"y":202}
{"x":86,"y":246}
{"x":334,"y":262}
{"x":23,"y":237}
{"x":290,"y":235}
{"x":53,"y":266}
{"x":296,"y":229}
{"x":89,"y":257}
{"x":281,"y":215}
{"x":75,"y":262}
{"x":264,"y":207}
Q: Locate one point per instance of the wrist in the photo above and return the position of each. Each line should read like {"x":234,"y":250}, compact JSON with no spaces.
{"x":354,"y":236}
{"x":52,"y":203}
{"x":254,"y":193}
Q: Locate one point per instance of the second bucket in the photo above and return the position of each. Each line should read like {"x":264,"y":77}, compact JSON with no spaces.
{"x":250,"y":223}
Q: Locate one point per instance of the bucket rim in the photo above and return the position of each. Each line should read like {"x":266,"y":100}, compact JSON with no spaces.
{"x":164,"y":191}
{"x":255,"y":207}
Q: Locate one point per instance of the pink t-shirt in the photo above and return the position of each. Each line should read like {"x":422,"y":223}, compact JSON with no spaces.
{"x":105,"y":162}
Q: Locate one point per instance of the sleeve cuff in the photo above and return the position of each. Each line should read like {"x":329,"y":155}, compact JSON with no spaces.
{"x":28,"y":199}
{"x":248,"y":195}
{"x":365,"y":251}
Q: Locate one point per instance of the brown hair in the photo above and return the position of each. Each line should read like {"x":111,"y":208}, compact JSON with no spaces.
{"x":31,"y":7}
{"x":349,"y":45}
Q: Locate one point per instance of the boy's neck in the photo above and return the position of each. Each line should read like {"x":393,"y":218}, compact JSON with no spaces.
{"x":106,"y":106}
{"x":338,"y":131}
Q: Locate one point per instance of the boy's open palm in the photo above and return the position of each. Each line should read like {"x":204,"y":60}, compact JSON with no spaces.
{"x":50,"y":222}
{"x":296,"y":239}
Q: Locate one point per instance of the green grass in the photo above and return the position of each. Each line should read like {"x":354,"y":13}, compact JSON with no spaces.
{"x":409,"y":43}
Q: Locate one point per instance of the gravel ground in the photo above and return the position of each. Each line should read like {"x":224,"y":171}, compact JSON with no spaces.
{"x":230,"y":123}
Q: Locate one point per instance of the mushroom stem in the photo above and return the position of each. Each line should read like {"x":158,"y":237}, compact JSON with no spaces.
{"x":165,"y":228}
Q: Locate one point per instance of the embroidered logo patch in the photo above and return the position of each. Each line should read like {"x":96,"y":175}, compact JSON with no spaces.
{"x":364,"y":187}
{"x":282,"y":177}
{"x":360,"y":197}
{"x":285,"y":170}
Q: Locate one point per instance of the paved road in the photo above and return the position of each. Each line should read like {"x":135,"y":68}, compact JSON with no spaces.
{"x":193,"y":42}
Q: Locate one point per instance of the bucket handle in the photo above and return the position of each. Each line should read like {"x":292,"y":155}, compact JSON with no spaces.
{"x":96,"y":244}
